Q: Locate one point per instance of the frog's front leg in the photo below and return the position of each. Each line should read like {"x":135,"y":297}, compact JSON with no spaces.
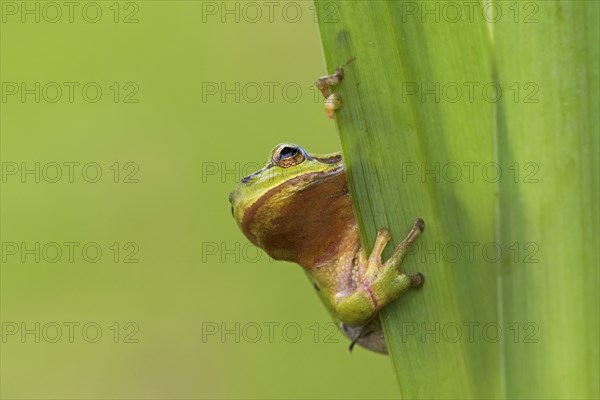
{"x":378,"y":283}
{"x":324,"y":82}
{"x":333,"y":101}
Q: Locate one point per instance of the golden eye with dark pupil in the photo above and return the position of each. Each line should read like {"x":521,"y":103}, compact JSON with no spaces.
{"x":288,"y":157}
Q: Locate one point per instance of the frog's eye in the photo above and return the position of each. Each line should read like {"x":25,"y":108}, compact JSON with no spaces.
{"x":288,"y":156}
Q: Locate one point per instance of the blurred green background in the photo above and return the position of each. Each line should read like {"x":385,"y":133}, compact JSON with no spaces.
{"x":180,"y":147}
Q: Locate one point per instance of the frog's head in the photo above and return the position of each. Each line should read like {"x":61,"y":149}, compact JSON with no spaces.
{"x":267,"y":194}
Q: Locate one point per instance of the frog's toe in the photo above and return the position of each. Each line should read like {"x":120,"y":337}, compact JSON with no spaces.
{"x":419,"y":224}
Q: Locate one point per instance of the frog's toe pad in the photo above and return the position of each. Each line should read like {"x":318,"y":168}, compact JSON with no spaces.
{"x":417,"y":280}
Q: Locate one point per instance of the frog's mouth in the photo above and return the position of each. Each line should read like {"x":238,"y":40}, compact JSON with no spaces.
{"x":248,"y":178}
{"x":329,"y":158}
{"x":231,"y":202}
{"x":234,"y":195}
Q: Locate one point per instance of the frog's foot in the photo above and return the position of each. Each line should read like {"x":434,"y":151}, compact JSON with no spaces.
{"x":375,"y":265}
{"x":361,"y":334}
{"x":370,"y":335}
{"x":325,"y":82}
{"x":380,"y":283}
{"x":333,"y":101}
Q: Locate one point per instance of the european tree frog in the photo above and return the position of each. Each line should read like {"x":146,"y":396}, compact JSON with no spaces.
{"x":298,"y":208}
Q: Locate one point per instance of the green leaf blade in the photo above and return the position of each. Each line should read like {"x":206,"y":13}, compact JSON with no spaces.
{"x":387,"y":134}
